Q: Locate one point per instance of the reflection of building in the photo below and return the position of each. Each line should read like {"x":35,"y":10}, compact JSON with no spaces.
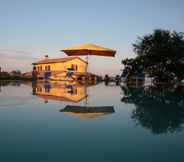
{"x":60,"y":69}
{"x":60,"y":91}
{"x":88,"y":112}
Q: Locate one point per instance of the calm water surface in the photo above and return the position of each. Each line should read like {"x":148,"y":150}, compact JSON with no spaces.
{"x":54,"y":122}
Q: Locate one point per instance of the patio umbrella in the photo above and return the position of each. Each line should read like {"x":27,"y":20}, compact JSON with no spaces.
{"x":89,"y":49}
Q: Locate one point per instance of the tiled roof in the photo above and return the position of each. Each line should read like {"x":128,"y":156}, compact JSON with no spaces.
{"x":57,"y":60}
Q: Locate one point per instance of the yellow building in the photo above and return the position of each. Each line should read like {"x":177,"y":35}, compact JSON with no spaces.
{"x":61,"y":68}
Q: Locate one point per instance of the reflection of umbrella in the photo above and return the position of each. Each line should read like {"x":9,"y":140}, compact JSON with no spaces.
{"x":89,"y":112}
{"x":89,"y":49}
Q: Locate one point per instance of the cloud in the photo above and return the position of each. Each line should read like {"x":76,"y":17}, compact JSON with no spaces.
{"x":16,"y":60}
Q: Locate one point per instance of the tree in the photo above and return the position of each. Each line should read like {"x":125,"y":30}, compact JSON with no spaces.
{"x":16,"y":73}
{"x":161,"y":55}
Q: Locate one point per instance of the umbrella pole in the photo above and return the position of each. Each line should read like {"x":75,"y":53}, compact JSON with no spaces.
{"x":87,"y":66}
{"x":87,"y":60}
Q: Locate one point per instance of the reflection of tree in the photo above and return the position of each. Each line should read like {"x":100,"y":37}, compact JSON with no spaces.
{"x":159,"y":109}
{"x":16,"y":83}
{"x":34,"y":87}
{"x":4,"y":83}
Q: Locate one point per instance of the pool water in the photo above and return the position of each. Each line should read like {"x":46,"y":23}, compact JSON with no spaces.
{"x":70,"y":122}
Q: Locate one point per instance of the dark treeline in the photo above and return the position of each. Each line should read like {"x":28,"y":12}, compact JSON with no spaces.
{"x":160,"y":55}
{"x":13,"y":75}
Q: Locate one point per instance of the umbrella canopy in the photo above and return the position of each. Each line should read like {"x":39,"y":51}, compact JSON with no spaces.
{"x":89,"y":49}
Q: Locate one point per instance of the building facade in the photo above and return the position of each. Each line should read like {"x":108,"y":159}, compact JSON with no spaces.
{"x":61,"y":68}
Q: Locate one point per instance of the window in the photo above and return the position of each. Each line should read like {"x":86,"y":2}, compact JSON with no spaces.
{"x":74,"y":67}
{"x":47,"y":68}
{"x":39,"y":89}
{"x":39,"y":68}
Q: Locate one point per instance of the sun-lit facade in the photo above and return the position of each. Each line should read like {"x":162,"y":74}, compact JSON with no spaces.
{"x":58,"y":68}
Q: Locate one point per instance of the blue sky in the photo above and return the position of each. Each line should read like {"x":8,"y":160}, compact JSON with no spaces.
{"x":29,"y":29}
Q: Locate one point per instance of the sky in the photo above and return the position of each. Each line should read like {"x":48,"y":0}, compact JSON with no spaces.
{"x":30,"y":29}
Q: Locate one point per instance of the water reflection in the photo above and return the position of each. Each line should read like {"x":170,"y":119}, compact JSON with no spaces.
{"x":13,"y":93}
{"x":6,"y":83}
{"x":3,"y":83}
{"x":60,"y":91}
{"x":88,"y":112}
{"x":160,"y":110}
{"x":72,"y":92}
